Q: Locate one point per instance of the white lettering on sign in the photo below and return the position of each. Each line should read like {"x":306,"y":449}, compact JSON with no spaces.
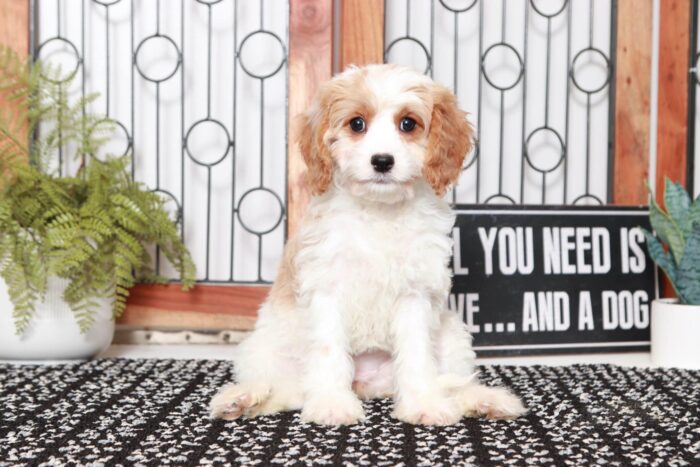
{"x":625,"y":310}
{"x":561,"y":243}
{"x":487,"y":242}
{"x":633,"y":259}
{"x":585,"y":312}
{"x":457,"y":267}
{"x":515,"y":250}
{"x":549,"y":312}
{"x":465,"y":305}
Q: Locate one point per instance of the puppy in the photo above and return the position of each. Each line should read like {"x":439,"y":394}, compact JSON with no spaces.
{"x":358,"y":310}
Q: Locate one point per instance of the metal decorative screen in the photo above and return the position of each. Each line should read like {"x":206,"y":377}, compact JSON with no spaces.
{"x":198,"y":91}
{"x":538,"y":80}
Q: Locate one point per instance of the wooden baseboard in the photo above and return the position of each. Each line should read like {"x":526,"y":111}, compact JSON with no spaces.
{"x":206,"y":307}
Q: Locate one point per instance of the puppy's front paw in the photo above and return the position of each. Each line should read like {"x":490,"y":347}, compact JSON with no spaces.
{"x":236,"y":400}
{"x":339,"y":408}
{"x":490,"y":402}
{"x":427,"y":410}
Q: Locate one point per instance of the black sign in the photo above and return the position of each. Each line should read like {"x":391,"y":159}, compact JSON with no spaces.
{"x":553,"y":280}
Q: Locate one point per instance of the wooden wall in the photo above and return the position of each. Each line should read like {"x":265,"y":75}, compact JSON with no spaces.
{"x":14,"y":31}
{"x":361,"y":32}
{"x":632,"y":87}
{"x":362,"y":41}
{"x":14,"y":24}
{"x":310,"y":63}
{"x":674,"y":65}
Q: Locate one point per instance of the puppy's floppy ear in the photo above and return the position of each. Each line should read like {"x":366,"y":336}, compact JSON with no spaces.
{"x":449,"y":141}
{"x":310,"y":129}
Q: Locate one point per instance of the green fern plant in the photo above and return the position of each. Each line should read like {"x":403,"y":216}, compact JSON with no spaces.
{"x":91,"y":228}
{"x":678,"y":226}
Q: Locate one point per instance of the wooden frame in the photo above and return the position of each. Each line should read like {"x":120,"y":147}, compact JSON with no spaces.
{"x":14,"y":25}
{"x":674,"y":93}
{"x":362,"y":41}
{"x":632,"y":87}
{"x":361,"y":32}
{"x":674,"y":66}
{"x":310,"y":62}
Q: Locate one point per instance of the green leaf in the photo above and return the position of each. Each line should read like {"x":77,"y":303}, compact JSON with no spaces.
{"x":677,"y":203}
{"x":667,"y":230}
{"x":694,"y":213}
{"x":92,"y":228}
{"x":660,"y":256}
{"x":688,"y":273}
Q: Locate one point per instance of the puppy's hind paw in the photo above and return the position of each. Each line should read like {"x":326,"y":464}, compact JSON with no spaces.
{"x":237,"y":400}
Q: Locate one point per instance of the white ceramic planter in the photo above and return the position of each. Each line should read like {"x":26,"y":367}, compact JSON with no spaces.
{"x":675,"y":334}
{"x":53,"y":333}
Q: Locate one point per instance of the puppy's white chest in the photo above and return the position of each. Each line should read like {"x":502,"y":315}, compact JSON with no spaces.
{"x":381,"y":261}
{"x":382,"y":256}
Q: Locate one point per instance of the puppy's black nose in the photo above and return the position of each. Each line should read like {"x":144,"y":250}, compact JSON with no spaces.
{"x":382,"y":163}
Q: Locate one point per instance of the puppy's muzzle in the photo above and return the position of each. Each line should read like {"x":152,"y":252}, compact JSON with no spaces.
{"x":382,"y":163}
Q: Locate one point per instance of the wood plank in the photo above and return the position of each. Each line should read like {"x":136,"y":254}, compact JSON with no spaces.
{"x":672,"y":132}
{"x":137,"y":317}
{"x":14,"y":25}
{"x":361,"y":32}
{"x":204,"y":307}
{"x":632,"y":101}
{"x":674,"y":49}
{"x":310,"y":64}
{"x":14,"y":33}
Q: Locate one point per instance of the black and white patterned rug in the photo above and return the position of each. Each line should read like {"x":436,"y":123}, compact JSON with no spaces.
{"x":154,"y":412}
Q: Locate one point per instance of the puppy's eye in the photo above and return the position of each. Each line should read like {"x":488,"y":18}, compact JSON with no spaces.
{"x":407,"y":125}
{"x":357,"y":124}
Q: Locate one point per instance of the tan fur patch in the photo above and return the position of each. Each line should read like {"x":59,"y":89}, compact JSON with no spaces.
{"x":335,"y":104}
{"x":449,"y":141}
{"x":283,"y":293}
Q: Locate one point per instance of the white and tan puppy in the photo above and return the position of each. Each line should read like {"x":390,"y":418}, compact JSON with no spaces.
{"x":358,"y":310}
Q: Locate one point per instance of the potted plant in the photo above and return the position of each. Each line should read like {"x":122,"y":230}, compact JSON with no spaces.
{"x":70,"y":246}
{"x":675,"y":322}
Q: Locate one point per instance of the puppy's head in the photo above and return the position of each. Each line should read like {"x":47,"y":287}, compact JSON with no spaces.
{"x":376,"y":131}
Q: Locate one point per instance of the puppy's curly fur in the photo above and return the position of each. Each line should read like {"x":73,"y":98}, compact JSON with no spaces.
{"x":359,"y":306}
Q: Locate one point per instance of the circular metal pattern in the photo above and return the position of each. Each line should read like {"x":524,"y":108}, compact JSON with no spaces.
{"x":217,"y":124}
{"x":458,"y":10}
{"x":170,"y":43}
{"x":410,"y":40}
{"x":474,"y":153}
{"x":587,"y":196}
{"x":122,"y":128}
{"x":106,"y":2}
{"x":529,"y":153}
{"x":73,"y":50}
{"x":274,"y":201}
{"x":260,"y":34}
{"x":577,"y":82}
{"x":540,"y":11}
{"x":178,"y":208}
{"x":507,"y":48}
{"x":504,"y":199}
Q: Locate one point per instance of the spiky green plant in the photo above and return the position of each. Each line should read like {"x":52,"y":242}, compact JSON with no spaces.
{"x":91,"y":228}
{"x":678,"y":226}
